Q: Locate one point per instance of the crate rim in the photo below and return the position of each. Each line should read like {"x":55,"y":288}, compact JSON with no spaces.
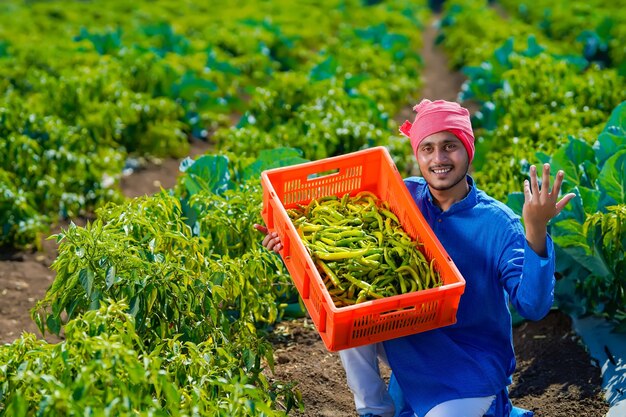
{"x":265,"y":173}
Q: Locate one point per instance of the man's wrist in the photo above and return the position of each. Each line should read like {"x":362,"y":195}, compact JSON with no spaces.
{"x":536,"y":238}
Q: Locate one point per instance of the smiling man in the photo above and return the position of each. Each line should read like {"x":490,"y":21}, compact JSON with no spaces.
{"x":462,"y":370}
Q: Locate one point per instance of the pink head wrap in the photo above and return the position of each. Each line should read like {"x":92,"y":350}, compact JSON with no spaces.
{"x":437,"y":116}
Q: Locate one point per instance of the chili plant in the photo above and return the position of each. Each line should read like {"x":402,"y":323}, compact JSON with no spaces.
{"x":144,"y":252}
{"x":103,"y":368}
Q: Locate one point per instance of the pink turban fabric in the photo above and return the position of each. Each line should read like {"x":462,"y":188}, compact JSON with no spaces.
{"x":437,"y":116}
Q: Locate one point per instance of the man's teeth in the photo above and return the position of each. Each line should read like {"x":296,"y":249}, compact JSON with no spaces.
{"x":441,"y":171}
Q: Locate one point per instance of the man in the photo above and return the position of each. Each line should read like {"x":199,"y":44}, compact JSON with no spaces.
{"x":463,"y":370}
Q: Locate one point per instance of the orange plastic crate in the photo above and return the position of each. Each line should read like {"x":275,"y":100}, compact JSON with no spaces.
{"x":371,"y":321}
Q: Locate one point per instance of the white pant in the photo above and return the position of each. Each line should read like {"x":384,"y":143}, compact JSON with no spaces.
{"x":363,"y":375}
{"x":370,"y":391}
{"x":463,"y":407}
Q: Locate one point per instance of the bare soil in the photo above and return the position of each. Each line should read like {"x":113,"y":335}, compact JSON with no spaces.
{"x":555,"y":376}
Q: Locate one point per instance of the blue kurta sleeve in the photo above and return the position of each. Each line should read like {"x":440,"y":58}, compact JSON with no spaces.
{"x":527,"y":277}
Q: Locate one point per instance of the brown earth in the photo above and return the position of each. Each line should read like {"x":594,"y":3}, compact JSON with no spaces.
{"x":555,"y":376}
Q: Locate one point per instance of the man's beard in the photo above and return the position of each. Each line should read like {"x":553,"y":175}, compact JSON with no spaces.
{"x":455,"y":182}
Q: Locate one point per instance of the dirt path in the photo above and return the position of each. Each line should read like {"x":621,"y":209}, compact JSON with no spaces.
{"x":440,"y":83}
{"x":554,"y":376}
{"x":153,"y":177}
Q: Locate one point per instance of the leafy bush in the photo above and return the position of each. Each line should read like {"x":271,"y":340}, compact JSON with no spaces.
{"x":589,"y":233}
{"x":104,"y":368}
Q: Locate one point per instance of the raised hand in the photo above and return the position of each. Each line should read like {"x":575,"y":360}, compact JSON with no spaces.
{"x":541,"y":205}
{"x":271,"y":241}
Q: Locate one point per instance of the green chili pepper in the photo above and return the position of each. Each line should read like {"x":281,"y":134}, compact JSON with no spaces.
{"x":361,"y":249}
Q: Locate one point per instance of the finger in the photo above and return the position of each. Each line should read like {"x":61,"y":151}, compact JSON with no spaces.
{"x":275,"y":244}
{"x":272,"y":242}
{"x":534,"y":186}
{"x":269,"y":239}
{"x":556,"y":188}
{"x":527,"y":194}
{"x":266,"y":240}
{"x":260,"y":228}
{"x":563,"y":202}
{"x":545,"y":180}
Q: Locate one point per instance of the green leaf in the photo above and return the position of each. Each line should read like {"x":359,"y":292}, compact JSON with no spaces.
{"x":18,"y":406}
{"x":604,"y":29}
{"x":503,"y":53}
{"x":613,"y":137}
{"x":350,"y":84}
{"x":134,"y":306}
{"x":570,"y":156}
{"x":568,"y":232}
{"x":171,"y":394}
{"x":209,"y":308}
{"x":568,"y":235}
{"x":591,"y":201}
{"x":222,"y":66}
{"x":69,"y":309}
{"x":219,"y":292}
{"x":86,"y":277}
{"x":565,"y":293}
{"x":589,"y":171}
{"x":617,"y":118}
{"x":542,"y":157}
{"x":593,"y":263}
{"x":324,"y":70}
{"x":151,"y":298}
{"x":135,"y":373}
{"x":249,"y":358}
{"x":576,"y":61}
{"x":94,"y":302}
{"x":269,"y":358}
{"x":515,"y":201}
{"x":534,"y":48}
{"x":78,"y":393}
{"x":190,"y":87}
{"x":4,"y":51}
{"x":372,"y":33}
{"x":110,"y":278}
{"x":209,"y":172}
{"x":54,"y":324}
{"x":612,"y":179}
{"x":607,"y":145}
{"x":108,"y":42}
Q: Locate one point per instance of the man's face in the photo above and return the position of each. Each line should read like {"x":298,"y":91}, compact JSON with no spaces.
{"x":443,"y":160}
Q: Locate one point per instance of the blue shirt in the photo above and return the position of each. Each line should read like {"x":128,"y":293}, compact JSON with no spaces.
{"x":474,"y":357}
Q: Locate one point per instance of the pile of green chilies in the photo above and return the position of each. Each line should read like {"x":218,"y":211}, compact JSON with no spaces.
{"x":361,"y":249}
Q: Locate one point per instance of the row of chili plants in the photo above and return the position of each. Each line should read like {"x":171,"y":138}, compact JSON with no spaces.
{"x":86,"y":87}
{"x":164,"y":301}
{"x":594,"y":26}
{"x":545,"y":98}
